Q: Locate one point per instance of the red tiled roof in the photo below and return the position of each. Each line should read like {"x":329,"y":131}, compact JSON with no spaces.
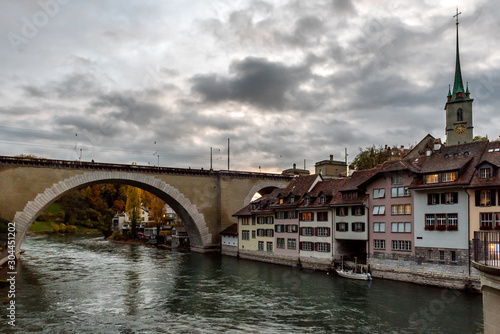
{"x":231,"y":230}
{"x":462,"y":158}
{"x":490,"y":156}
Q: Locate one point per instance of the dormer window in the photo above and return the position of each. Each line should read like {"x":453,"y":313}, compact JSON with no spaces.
{"x":397,"y":179}
{"x":432,"y":178}
{"x":485,"y":173}
{"x":307,"y":200}
{"x":322,"y":200}
{"x":449,"y":176}
{"x":292,"y":199}
{"x":348,"y":195}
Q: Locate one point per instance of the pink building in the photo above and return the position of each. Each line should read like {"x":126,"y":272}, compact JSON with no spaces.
{"x":390,"y":214}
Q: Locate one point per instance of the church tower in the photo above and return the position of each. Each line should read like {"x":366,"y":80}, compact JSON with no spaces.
{"x":459,"y":129}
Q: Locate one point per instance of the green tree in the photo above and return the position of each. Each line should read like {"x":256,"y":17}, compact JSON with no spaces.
{"x":133,"y":208}
{"x":480,"y":138}
{"x":370,"y":157}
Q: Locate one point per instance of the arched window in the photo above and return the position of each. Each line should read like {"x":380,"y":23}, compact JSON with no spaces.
{"x":460,"y":115}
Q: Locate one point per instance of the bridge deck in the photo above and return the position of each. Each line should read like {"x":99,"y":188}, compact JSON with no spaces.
{"x":50,"y":163}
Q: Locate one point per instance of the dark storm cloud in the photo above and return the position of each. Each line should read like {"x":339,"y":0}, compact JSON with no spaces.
{"x":256,"y":81}
{"x":33,"y":91}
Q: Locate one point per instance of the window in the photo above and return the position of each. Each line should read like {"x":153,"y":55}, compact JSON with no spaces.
{"x":322,"y":216}
{"x":306,"y":246}
{"x":379,"y":193}
{"x":292,"y":243}
{"x":307,"y":231}
{"x":453,"y":256}
{"x":322,"y":247}
{"x":245,"y":235}
{"x":440,"y":220}
{"x":433,"y":199}
{"x":486,"y":221}
{"x":358,"y":210}
{"x":253,"y":234}
{"x":261,"y":232}
{"x":292,"y":199}
{"x":379,"y":209}
{"x":400,"y":192}
{"x":401,"y":245}
{"x":397,"y":179}
{"x":292,"y":228}
{"x":342,"y":211}
{"x":401,"y":227}
{"x":307,"y":200}
{"x":280,"y":243}
{"x":485,"y":198}
{"x":281,"y":200}
{"x":452,"y":221}
{"x":432,"y":178}
{"x":358,"y":227}
{"x":269,"y":232}
{"x":306,"y":216}
{"x":244,"y":221}
{"x":348,"y":195}
{"x":378,"y":244}
{"x":450,"y":198}
{"x":269,"y":246}
{"x":279,"y":228}
{"x":261,"y":245}
{"x":379,"y":227}
{"x":449,"y":176}
{"x":292,"y":214}
{"x":322,"y":200}
{"x":323,"y":231}
{"x":342,"y":227}
{"x":280,"y":214}
{"x":401,"y":209}
{"x":430,"y":255}
{"x":430,"y":222}
{"x":485,"y":173}
{"x":460,"y":115}
{"x":441,"y":255}
{"x":253,"y":220}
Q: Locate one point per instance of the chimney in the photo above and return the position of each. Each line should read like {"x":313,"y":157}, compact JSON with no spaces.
{"x":331,"y":157}
{"x":294,"y":166}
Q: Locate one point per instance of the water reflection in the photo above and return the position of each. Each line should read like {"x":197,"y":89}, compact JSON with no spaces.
{"x":86,"y":285}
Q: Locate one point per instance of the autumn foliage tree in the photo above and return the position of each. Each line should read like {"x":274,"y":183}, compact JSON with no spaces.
{"x":370,"y":157}
{"x":133,"y":208}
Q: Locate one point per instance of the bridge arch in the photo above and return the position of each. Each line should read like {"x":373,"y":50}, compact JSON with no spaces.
{"x":194,"y":221}
{"x":262,"y":188}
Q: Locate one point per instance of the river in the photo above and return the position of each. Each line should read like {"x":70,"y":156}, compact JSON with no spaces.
{"x":82,"y":284}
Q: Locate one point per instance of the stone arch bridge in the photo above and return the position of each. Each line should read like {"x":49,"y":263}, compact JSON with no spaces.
{"x":204,"y":199}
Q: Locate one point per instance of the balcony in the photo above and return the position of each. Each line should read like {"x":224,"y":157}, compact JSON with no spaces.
{"x":487,"y":248}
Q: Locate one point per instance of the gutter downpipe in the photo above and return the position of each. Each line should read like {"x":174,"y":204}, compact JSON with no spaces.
{"x":468,"y":228}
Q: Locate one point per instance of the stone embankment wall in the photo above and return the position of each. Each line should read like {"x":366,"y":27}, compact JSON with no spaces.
{"x":440,"y":275}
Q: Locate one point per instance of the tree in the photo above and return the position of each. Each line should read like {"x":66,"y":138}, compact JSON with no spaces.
{"x":370,"y":157}
{"x":157,"y":212}
{"x":480,"y":138}
{"x":133,"y":208}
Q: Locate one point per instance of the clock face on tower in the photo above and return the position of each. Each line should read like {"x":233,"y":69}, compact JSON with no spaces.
{"x":459,"y":128}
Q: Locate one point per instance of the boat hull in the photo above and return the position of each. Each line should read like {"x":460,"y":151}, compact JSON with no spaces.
{"x":356,"y":276}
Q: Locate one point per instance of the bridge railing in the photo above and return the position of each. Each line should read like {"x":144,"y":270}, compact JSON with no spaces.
{"x":487,"y":248}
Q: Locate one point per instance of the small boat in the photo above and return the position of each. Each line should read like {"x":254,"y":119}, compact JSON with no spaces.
{"x":358,"y":276}
{"x":353,"y":275}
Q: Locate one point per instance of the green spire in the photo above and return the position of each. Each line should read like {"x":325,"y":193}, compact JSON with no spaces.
{"x":458,"y":85}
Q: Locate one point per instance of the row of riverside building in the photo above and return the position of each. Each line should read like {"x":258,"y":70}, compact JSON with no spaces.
{"x":411,"y":218}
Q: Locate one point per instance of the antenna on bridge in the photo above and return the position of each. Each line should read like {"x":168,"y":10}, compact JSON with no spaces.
{"x":210,"y":158}
{"x":228,"y":154}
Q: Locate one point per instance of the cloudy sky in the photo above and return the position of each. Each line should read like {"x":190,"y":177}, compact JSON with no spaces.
{"x":286,"y":81}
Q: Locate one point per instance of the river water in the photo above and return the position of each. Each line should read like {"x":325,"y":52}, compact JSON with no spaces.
{"x":82,"y":284}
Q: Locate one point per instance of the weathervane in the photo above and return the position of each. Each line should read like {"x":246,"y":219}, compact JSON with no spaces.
{"x":457,"y":15}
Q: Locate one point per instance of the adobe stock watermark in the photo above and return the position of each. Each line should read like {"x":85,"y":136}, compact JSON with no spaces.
{"x":426,"y":315}
{"x":11,"y":274}
{"x":32,"y":25}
